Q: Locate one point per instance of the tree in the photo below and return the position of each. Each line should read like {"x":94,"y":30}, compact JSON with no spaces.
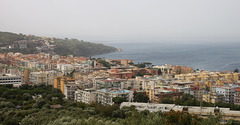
{"x":139,"y":97}
{"x":119,"y":100}
{"x":25,"y":87}
{"x":26,"y":97}
{"x":130,"y":63}
{"x":235,"y":70}
{"x":147,"y":64}
{"x":39,"y":103}
{"x":104,"y":63}
{"x":141,"y":65}
{"x":159,"y":72}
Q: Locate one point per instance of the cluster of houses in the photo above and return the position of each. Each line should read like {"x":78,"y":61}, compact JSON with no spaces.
{"x":87,"y":80}
{"x":41,"y":45}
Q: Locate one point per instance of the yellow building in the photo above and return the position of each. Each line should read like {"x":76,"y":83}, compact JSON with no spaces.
{"x":236,"y":76}
{"x":208,"y":76}
{"x":56,"y":82}
{"x":63,"y":81}
{"x":150,"y":93}
{"x":60,"y":81}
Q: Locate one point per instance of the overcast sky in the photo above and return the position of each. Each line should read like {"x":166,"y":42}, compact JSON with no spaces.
{"x":123,"y":20}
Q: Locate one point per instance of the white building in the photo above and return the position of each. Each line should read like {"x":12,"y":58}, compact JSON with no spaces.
{"x":86,"y":96}
{"x":69,"y":90}
{"x":105,"y":96}
{"x":226,"y":91}
{"x":9,"y":79}
{"x":65,"y":68}
{"x":164,"y":68}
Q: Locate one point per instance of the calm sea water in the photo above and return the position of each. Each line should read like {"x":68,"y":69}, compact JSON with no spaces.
{"x":212,"y":56}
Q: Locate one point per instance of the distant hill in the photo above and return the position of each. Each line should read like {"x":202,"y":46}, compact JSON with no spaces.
{"x":26,"y":44}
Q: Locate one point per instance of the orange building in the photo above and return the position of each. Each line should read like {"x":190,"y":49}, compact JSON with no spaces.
{"x":26,"y":73}
{"x":60,"y":81}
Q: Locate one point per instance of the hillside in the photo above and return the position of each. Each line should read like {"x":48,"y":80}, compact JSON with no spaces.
{"x":26,"y":44}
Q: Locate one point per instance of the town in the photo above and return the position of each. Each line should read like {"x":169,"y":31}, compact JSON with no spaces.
{"x":99,"y":80}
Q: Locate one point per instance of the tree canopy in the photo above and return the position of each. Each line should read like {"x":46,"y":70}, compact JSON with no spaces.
{"x":35,"y":109}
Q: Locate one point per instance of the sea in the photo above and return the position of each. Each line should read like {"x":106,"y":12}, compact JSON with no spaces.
{"x":210,"y":56}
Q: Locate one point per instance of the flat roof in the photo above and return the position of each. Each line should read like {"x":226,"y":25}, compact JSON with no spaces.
{"x":115,"y":90}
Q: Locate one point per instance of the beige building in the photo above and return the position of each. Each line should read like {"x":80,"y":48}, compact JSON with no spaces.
{"x":46,"y":77}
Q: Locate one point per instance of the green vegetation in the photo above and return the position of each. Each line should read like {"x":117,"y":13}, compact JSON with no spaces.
{"x":119,"y":100}
{"x":140,"y":65}
{"x":25,"y":94}
{"x":17,"y":106}
{"x":63,"y":47}
{"x":104,"y":63}
{"x":6,"y":37}
{"x":80,"y":48}
{"x":140,"y":97}
{"x":235,"y":70}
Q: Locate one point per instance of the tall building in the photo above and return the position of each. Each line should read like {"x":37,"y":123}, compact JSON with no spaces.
{"x":60,"y":83}
{"x":26,"y":73}
{"x":69,"y":90}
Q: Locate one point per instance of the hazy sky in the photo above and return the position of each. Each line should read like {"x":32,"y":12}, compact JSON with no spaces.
{"x":123,"y":20}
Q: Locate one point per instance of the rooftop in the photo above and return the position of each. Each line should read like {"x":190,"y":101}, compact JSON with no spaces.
{"x":115,"y":90}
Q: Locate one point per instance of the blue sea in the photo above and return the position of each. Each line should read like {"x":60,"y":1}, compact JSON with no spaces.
{"x":211,"y":56}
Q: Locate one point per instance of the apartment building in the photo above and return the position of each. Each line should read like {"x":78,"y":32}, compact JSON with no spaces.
{"x":206,"y":75}
{"x":213,"y":97}
{"x":69,"y":90}
{"x":46,"y":77}
{"x":237,"y":96}
{"x":9,"y":79}
{"x":105,"y":96}
{"x":86,"y":96}
{"x":65,"y":68}
{"x":109,"y":83}
{"x":59,"y":82}
{"x":226,"y":91}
